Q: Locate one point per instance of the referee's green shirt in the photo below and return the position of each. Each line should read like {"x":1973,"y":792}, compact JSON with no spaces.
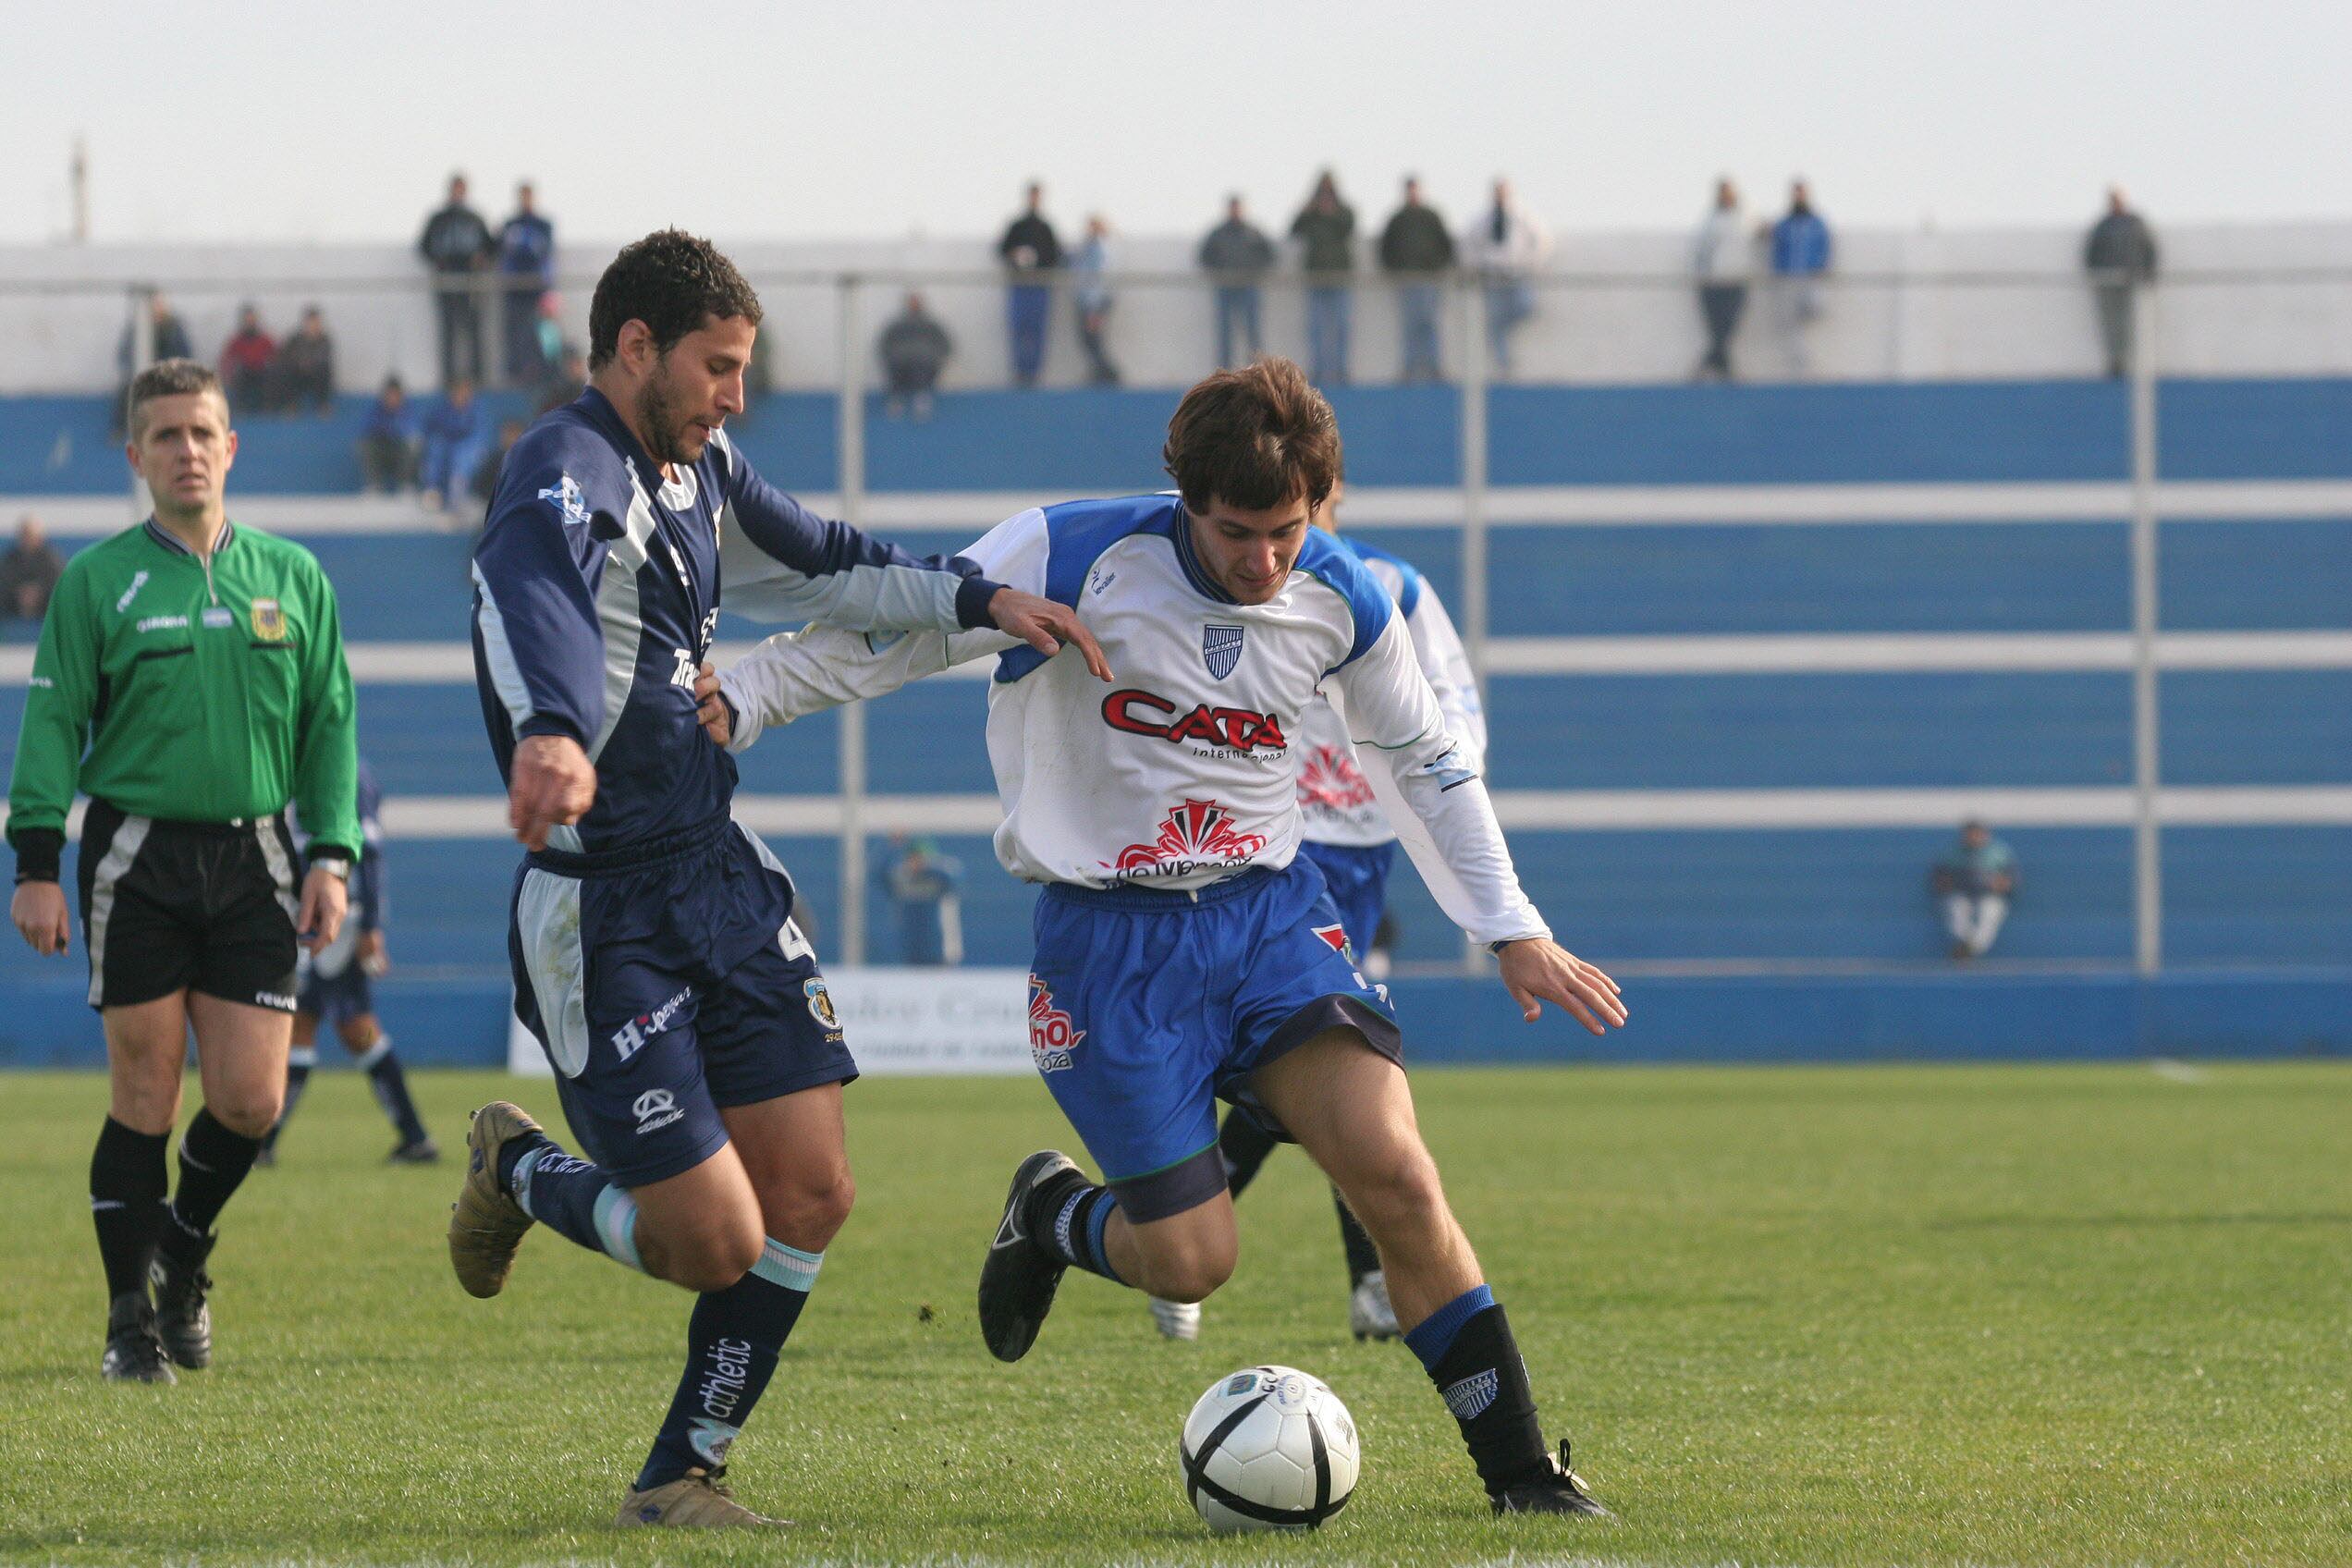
{"x":177,"y":688}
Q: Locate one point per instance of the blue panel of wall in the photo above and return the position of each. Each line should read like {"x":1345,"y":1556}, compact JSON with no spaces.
{"x":2257,"y":726}
{"x":1753,"y":731}
{"x":996,"y":906}
{"x":930,"y":739}
{"x":2257,"y":895}
{"x":2289,"y":575}
{"x":1597,"y":581}
{"x":2234,"y":429}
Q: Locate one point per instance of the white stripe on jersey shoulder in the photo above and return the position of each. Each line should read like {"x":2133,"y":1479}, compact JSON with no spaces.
{"x":506,"y":676}
{"x":621,"y":608}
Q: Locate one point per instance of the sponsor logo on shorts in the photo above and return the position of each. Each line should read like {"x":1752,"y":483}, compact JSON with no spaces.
{"x":631,"y":1037}
{"x":655,"y":1109}
{"x":820,"y":1003}
{"x":161,"y":624}
{"x":273,"y":999}
{"x":138,"y":581}
{"x":1473,"y":1396}
{"x":1051,"y":1039}
{"x":1335,"y":937}
{"x":269,"y":621}
{"x":1196,"y":836}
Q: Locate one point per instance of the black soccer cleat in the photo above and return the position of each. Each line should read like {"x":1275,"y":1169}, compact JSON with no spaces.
{"x":133,"y":1353}
{"x":1018,"y":1281}
{"x":1553,"y":1489}
{"x":424,"y":1151}
{"x":183,"y":1320}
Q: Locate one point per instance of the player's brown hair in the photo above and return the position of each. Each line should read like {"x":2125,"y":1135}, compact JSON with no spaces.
{"x":170,"y":378}
{"x":1255,"y":437}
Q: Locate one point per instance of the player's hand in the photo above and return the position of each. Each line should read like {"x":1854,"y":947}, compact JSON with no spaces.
{"x":325,"y":899}
{"x":374,"y":960}
{"x":39,"y":910}
{"x":711,"y":708}
{"x":554,"y":784}
{"x":1538,"y":970}
{"x":1046,"y":626}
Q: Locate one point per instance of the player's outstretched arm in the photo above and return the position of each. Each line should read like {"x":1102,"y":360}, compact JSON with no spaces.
{"x":1539,"y":970}
{"x":820,"y":666}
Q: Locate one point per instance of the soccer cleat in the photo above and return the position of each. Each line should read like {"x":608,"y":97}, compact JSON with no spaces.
{"x":694,"y":1500}
{"x":1369,"y":1315}
{"x":424,"y":1151}
{"x":1018,"y":1281}
{"x":1553,"y":1489}
{"x":1177,"y":1319}
{"x":133,"y":1353}
{"x":485,"y":1224}
{"x":183,"y":1321}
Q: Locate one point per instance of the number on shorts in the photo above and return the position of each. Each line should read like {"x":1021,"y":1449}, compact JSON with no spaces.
{"x":792,"y":943}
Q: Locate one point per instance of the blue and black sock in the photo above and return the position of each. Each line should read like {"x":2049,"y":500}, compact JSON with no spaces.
{"x":572,"y":1196}
{"x":1471,"y":1356}
{"x":213,"y":1163}
{"x":391,"y":1087}
{"x":732,"y":1341}
{"x":1067,"y":1215}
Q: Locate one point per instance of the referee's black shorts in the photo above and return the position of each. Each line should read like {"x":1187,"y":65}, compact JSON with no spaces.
{"x":170,"y":905}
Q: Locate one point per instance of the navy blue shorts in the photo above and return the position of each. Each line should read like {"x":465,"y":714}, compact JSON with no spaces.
{"x":1146,"y":1007}
{"x":333,"y":998}
{"x":1357,"y":876}
{"x":665,"y":982}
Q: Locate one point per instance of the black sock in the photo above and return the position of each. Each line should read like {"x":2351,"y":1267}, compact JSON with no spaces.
{"x":1363,"y":1258}
{"x":299,"y":1063}
{"x":1244,"y":1145}
{"x":126,"y":1185}
{"x":392,"y":1090}
{"x":1467,"y":1347}
{"x":212,"y":1161}
{"x":1067,"y":1215}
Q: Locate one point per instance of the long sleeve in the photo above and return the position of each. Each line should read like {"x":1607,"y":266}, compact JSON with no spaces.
{"x":326,"y":755}
{"x":534,"y":577}
{"x":1437,"y":647}
{"x":62,"y":695}
{"x":1436,"y":803}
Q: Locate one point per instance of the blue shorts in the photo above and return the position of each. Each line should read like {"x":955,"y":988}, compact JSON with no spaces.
{"x":1358,"y":878}
{"x":1145,"y":1007}
{"x":333,"y":998}
{"x":665,"y":981}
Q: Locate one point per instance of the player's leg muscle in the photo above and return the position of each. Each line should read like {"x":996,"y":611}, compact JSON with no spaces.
{"x":1183,"y":1257}
{"x":146,"y":1044}
{"x":240,"y":1056}
{"x":795,"y":1154}
{"x":702,"y":1228}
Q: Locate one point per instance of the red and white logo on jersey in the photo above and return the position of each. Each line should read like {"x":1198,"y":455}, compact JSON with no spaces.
{"x":1329,"y":779}
{"x":1335,"y":935}
{"x":1051,"y":1038}
{"x":1197,"y":833}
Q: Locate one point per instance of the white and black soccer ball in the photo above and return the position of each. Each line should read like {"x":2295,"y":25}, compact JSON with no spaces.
{"x":1268,"y":1448}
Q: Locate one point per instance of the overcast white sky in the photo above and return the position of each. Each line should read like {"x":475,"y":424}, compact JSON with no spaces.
{"x":335,"y":121}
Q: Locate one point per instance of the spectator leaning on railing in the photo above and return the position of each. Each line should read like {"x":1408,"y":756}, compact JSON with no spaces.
{"x":1030,"y":251}
{"x":1722,"y":258}
{"x":526,"y":271}
{"x":1800,"y":257}
{"x":456,"y":245}
{"x":1238,"y":255}
{"x":1324,"y":230}
{"x":1090,"y":274}
{"x":1416,"y":253}
{"x":2120,"y":254}
{"x":1504,"y":245}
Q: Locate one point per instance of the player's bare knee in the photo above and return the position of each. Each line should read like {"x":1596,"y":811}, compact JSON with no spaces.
{"x":1398,"y":1196}
{"x":1189,"y":1269}
{"x":808,"y":1213}
{"x":359,"y":1035}
{"x":249,"y":1112}
{"x":715,"y":1261}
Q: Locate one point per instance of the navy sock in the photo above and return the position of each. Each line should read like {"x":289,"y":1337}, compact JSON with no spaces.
{"x":213,"y":1163}
{"x":299,"y":1063}
{"x":1471,"y":1356}
{"x":1245,"y":1146}
{"x":1363,"y":1258}
{"x":1067,"y":1217}
{"x":128,"y":1179}
{"x":731,"y":1344}
{"x":391,"y":1087}
{"x":572,"y":1196}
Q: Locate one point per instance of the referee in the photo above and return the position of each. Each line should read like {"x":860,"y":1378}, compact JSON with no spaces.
{"x":191,"y":679}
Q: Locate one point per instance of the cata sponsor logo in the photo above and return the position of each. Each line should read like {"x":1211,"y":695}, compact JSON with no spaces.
{"x":1137,"y":712}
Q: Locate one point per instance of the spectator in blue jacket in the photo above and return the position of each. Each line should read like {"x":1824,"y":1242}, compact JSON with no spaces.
{"x":1800,"y":258}
{"x":1974,"y":881}
{"x":921,"y":883}
{"x":526,"y":271}
{"x":388,"y":442}
{"x":456,"y":436}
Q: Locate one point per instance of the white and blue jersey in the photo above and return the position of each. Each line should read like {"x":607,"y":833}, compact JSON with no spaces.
{"x":1182,"y":942}
{"x":654,"y":955}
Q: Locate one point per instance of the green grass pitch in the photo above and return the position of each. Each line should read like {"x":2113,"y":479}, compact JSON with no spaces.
{"x":1876,"y":1315}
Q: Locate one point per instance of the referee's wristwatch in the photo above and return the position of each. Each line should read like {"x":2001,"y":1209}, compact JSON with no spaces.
{"x":334,"y":861}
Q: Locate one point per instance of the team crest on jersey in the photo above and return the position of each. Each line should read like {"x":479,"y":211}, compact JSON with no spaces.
{"x":1221,"y":648}
{"x":1329,"y":779}
{"x":569,"y":503}
{"x":1196,"y":834}
{"x":1051,"y":1038}
{"x":269,"y":621}
{"x":820,"y":1003}
{"x":1335,"y":936}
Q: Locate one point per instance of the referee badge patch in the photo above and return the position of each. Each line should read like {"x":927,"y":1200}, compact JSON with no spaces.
{"x":269,"y":621}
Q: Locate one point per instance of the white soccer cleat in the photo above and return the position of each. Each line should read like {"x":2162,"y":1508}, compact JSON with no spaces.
{"x":1369,"y":1315}
{"x":1177,"y":1319}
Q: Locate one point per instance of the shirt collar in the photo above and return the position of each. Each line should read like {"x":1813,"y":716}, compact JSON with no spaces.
{"x":178,"y":547}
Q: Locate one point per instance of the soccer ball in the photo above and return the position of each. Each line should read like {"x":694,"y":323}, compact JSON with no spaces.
{"x":1268,"y":1448}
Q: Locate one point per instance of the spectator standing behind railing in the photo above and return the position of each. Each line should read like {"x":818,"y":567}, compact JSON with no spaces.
{"x":247,"y":360}
{"x":455,"y":435}
{"x":456,"y":245}
{"x":1976,"y":879}
{"x":1800,"y":257}
{"x":1324,"y":230}
{"x":1030,"y":251}
{"x":1416,"y":253}
{"x":1090,"y":274}
{"x":306,"y":366}
{"x":2120,"y":254}
{"x":915,"y":348}
{"x":29,"y":571}
{"x":1504,"y":245}
{"x":388,"y":442}
{"x":166,"y":339}
{"x":526,"y":274}
{"x":1722,"y":258}
{"x":1238,"y":254}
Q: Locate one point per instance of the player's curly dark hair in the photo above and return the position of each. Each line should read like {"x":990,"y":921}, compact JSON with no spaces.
{"x":1255,"y":437}
{"x":673,"y":282}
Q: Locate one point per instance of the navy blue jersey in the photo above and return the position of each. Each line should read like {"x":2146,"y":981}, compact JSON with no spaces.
{"x":368,"y":900}
{"x":596,"y":594}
